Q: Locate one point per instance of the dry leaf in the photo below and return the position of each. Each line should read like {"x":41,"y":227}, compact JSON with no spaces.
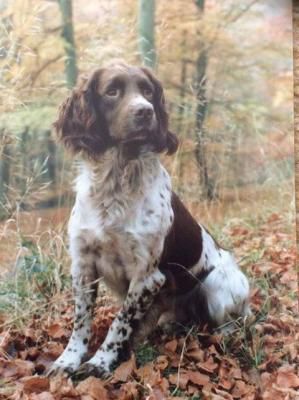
{"x":93,"y":387}
{"x":287,"y":378}
{"x":198,"y":378}
{"x":161,"y":363}
{"x":35,"y":384}
{"x":208,"y":366}
{"x":179,"y":380}
{"x":124,"y":370}
{"x":56,"y":331}
{"x":172,"y":345}
{"x":16,"y":368}
{"x":41,"y":396}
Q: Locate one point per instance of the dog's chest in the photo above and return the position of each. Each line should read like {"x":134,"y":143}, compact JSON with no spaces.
{"x":123,"y":233}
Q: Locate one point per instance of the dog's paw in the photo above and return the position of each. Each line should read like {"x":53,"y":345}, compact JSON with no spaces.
{"x":66,"y":364}
{"x":58,"y":368}
{"x":89,"y":369}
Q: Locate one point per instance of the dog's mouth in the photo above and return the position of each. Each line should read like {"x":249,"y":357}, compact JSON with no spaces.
{"x":140,"y":136}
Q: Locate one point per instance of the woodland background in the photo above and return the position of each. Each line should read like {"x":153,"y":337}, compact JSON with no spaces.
{"x":227,"y":70}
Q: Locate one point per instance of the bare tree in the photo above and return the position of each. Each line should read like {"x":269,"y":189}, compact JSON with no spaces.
{"x":208,"y":189}
{"x":146,"y":28}
{"x":69,"y":42}
{"x":4,"y":167}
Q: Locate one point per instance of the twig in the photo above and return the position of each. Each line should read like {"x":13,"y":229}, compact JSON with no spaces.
{"x":181,"y":360}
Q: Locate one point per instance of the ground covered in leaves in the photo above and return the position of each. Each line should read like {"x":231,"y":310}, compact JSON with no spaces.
{"x":259,"y":360}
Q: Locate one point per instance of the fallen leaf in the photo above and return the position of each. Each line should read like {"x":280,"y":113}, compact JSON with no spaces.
{"x":35,"y":384}
{"x":148,"y":374}
{"x":16,"y":368}
{"x":198,"y":378}
{"x":208,"y":366}
{"x":179,"y":380}
{"x":93,"y":387}
{"x":129,"y":391}
{"x":240,"y":390}
{"x":287,"y":378}
{"x":56,"y":331}
{"x":41,"y":396}
{"x":226,"y":384}
{"x":161,"y":363}
{"x":197,"y":354}
{"x":172,"y":345}
{"x":124,"y":370}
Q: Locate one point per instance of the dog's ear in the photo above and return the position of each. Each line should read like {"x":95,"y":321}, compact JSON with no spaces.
{"x":165,"y":140}
{"x":80,"y":125}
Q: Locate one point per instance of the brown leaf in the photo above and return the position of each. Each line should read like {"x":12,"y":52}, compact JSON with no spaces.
{"x":124,"y":370}
{"x":62,"y":385}
{"x":171,"y":346}
{"x":180,"y":380}
{"x":226,"y":384}
{"x":240,"y":390}
{"x":16,"y":368}
{"x":56,"y":331}
{"x":41,"y":396}
{"x":161,"y":363}
{"x":198,"y":378}
{"x":208,"y":366}
{"x":93,"y":387}
{"x":35,"y":384}
{"x":221,"y":395}
{"x":156,"y":394}
{"x":197,"y":354}
{"x":148,"y":375}
{"x":129,"y":391}
{"x":287,"y":378}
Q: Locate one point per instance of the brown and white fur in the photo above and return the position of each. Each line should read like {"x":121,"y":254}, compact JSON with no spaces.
{"x":127,"y":225}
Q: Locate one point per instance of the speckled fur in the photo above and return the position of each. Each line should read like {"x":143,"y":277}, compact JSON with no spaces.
{"x":129,"y":228}
{"x":117,"y":229}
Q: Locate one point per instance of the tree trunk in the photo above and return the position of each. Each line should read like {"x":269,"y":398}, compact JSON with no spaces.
{"x":146,"y":30}
{"x":69,"y":42}
{"x":4,"y":169}
{"x":208,"y":189}
{"x":181,"y":108}
{"x":24,"y":155}
{"x":51,"y":163}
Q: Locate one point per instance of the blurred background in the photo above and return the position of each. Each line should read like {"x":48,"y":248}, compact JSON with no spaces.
{"x":227,"y":72}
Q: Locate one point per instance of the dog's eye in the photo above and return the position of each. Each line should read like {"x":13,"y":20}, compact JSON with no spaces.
{"x":112,"y":92}
{"x":148,"y":92}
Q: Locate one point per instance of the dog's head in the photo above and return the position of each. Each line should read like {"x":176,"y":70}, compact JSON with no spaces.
{"x":119,"y":105}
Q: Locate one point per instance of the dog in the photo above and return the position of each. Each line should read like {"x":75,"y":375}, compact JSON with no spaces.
{"x":130,"y":228}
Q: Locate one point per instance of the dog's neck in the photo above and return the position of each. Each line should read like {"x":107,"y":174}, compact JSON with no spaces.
{"x":113,"y":175}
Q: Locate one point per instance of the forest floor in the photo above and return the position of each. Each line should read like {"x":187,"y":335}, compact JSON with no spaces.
{"x":259,"y":360}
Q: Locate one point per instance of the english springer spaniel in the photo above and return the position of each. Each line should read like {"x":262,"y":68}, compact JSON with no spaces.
{"x":128,"y":227}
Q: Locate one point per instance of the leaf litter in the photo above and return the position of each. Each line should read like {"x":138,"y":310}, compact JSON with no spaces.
{"x":259,"y":360}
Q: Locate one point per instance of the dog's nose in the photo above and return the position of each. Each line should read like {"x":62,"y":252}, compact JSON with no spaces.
{"x":143,"y":114}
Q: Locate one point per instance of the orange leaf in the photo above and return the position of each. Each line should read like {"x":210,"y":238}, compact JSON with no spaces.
{"x":16,"y":368}
{"x":124,"y":370}
{"x":208,"y":366}
{"x":149,"y":375}
{"x":35,"y":384}
{"x":93,"y":387}
{"x":287,"y":378}
{"x":41,"y":396}
{"x":56,"y":331}
{"x":171,"y":346}
{"x":161,"y":363}
{"x":198,"y":378}
{"x":180,"y":380}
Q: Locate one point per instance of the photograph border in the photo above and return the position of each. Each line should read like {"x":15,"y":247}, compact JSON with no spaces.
{"x":296,"y":125}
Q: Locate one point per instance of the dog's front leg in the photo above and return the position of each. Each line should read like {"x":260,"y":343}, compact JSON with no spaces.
{"x":84,"y":288}
{"x":139,"y":298}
